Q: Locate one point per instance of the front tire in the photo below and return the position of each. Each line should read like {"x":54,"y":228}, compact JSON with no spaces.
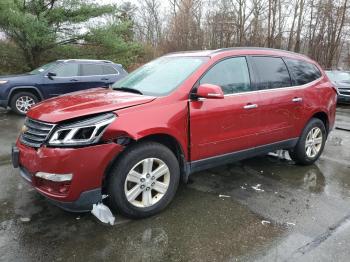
{"x":21,"y":102}
{"x":144,"y":180}
{"x":310,"y":144}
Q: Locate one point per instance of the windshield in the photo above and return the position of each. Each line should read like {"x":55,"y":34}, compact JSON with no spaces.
{"x":160,"y":76}
{"x":42,"y":68}
{"x":338,"y":76}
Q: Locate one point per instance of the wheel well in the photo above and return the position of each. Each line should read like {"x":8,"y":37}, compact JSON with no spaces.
{"x":171,"y":143}
{"x":29,"y":90}
{"x":324,"y":118}
{"x":164,"y":139}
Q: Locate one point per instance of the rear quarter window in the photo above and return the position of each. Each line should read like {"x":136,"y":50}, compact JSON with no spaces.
{"x":109,"y":70}
{"x":302,"y":72}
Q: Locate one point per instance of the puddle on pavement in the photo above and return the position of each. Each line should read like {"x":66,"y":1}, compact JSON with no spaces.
{"x":196,"y":226}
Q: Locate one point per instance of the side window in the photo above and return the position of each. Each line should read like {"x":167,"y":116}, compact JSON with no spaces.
{"x":302,"y":72}
{"x":231,"y":75}
{"x":109,"y":70}
{"x":272,"y":72}
{"x":66,"y":70}
{"x":91,"y":70}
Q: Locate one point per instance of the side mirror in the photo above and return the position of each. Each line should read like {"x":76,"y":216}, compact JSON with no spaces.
{"x":210,"y":91}
{"x":51,"y":75}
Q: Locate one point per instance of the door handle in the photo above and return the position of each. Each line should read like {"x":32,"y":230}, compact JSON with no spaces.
{"x":105,"y":79}
{"x":250,"y":106}
{"x":74,"y":80}
{"x":297,"y":99}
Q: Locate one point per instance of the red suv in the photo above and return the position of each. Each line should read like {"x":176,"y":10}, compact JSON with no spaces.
{"x":179,"y":114}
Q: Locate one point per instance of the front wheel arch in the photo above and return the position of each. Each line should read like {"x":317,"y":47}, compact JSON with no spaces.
{"x":167,"y":140}
{"x":31,"y":89}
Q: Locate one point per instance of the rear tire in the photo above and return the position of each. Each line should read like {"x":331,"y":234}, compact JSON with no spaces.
{"x":21,"y":102}
{"x":310,"y":144}
{"x":144,"y":180}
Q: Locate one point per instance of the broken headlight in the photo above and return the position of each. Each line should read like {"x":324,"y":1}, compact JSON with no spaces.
{"x":83,"y":132}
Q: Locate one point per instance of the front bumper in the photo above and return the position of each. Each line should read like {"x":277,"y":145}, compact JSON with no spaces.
{"x":87,"y":164}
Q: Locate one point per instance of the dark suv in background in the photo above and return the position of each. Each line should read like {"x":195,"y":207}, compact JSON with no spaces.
{"x":341,"y":79}
{"x":20,"y":92}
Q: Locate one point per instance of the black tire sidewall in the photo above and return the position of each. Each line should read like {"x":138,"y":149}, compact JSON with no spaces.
{"x":298,"y":154}
{"x":18,"y":95}
{"x":121,"y":168}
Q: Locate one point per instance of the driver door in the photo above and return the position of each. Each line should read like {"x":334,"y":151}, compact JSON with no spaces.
{"x":221,"y":126}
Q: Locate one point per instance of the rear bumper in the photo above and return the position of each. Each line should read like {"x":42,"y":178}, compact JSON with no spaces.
{"x":88,"y":166}
{"x":3,"y":103}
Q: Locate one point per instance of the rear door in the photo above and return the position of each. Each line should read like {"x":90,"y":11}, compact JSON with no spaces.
{"x":220,"y":126}
{"x":304,"y":79}
{"x":280,"y":103}
{"x":97,"y":75}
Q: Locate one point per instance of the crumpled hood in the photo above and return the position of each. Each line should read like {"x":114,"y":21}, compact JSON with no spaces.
{"x":84,"y":103}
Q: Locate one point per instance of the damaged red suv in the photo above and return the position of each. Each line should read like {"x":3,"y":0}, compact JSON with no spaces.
{"x":176,"y":115}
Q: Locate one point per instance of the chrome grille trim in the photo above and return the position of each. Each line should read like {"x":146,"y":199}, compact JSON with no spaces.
{"x":36,"y":132}
{"x":344,"y":91}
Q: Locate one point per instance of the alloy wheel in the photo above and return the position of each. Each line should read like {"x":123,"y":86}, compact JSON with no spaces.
{"x":147,"y":182}
{"x":24,"y":103}
{"x":313,"y":143}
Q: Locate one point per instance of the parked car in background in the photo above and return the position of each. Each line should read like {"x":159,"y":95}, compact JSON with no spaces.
{"x":341,"y":80}
{"x":176,"y":115}
{"x":20,"y":92}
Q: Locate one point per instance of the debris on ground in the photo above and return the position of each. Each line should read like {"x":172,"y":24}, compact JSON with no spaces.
{"x":224,"y":196}
{"x":265,"y":222}
{"x":24,"y":219}
{"x":257,"y":188}
{"x":103,"y":213}
{"x":243,"y":187}
{"x":290,"y":224}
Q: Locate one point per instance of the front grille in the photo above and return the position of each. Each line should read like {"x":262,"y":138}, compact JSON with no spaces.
{"x":35,"y":132}
{"x":344,"y":91}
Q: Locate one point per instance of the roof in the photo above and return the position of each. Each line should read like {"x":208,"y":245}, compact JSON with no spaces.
{"x":212,"y":53}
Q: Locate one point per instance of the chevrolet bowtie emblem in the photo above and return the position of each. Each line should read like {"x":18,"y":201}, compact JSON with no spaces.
{"x":24,"y":129}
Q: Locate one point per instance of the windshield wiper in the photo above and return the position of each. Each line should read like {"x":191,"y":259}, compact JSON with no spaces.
{"x":128,"y":89}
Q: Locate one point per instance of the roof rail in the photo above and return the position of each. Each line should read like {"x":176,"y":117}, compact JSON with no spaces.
{"x":254,"y":48}
{"x":87,"y":60}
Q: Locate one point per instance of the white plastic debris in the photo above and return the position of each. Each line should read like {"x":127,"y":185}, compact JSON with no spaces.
{"x":290,"y":224}
{"x":224,"y":196}
{"x":25,"y":219}
{"x":265,"y":222}
{"x":244,"y":188}
{"x":103,"y":213}
{"x":257,"y":188}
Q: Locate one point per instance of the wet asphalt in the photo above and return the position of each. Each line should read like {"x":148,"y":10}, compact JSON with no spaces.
{"x":261,"y":209}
